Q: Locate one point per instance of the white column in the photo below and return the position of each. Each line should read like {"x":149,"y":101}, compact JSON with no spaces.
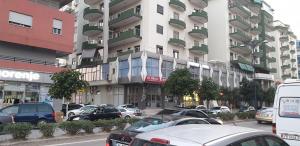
{"x":105,"y":30}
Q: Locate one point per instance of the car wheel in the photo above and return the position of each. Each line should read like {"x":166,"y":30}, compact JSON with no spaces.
{"x":127,"y":117}
{"x":259,"y":122}
{"x":71,"y":114}
{"x":41,"y":122}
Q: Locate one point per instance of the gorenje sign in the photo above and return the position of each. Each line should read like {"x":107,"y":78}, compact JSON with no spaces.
{"x":19,"y":75}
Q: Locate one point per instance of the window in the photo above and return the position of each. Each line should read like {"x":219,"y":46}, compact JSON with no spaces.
{"x":159,"y":29}
{"x":273,"y":141}
{"x":105,"y":71}
{"x":28,"y":108}
{"x":176,"y":54}
{"x":196,"y":43}
{"x":20,"y":19}
{"x":196,"y":114}
{"x":124,"y":68}
{"x":176,"y":15}
{"x":159,"y":50}
{"x":166,"y":68}
{"x":11,"y":110}
{"x":258,"y":141}
{"x":160,"y":9}
{"x":175,"y":34}
{"x":136,"y":66}
{"x":152,"y":66}
{"x":137,"y":48}
{"x":196,"y":59}
{"x":57,"y":27}
{"x":195,"y":71}
{"x":44,"y":108}
{"x":289,"y":107}
{"x":192,"y":122}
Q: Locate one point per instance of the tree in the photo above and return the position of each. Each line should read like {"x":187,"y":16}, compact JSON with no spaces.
{"x":269,"y":95}
{"x":209,"y":90}
{"x":247,"y":90}
{"x":65,"y":83}
{"x":180,"y":83}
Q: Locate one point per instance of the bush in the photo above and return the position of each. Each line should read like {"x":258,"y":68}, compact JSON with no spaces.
{"x":47,"y":129}
{"x":243,"y":115}
{"x":226,"y":116}
{"x":106,"y":125}
{"x":71,"y":127}
{"x":120,"y":123}
{"x":87,"y":126}
{"x":251,"y":115}
{"x":132,"y":120}
{"x":18,"y":130}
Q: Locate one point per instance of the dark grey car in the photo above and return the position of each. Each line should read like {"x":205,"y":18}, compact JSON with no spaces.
{"x":5,"y":118}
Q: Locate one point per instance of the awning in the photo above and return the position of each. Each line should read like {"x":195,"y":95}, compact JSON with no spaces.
{"x":246,"y":67}
{"x":88,"y":53}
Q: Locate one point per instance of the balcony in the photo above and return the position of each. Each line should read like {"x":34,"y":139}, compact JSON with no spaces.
{"x":242,"y":49}
{"x":240,"y":22}
{"x":241,"y":36}
{"x":286,"y":76}
{"x":271,"y":59}
{"x":241,"y":60}
{"x":293,"y":60}
{"x":199,"y":33}
{"x":254,"y":31}
{"x":269,"y":48}
{"x":269,"y":38}
{"x":239,"y":9}
{"x":284,"y":38}
{"x":130,"y":36}
{"x":284,"y":48}
{"x":199,"y":50}
{"x":269,"y":27}
{"x":177,"y":42}
{"x":118,"y":5}
{"x":125,"y":18}
{"x":273,"y":70}
{"x":177,"y":23}
{"x":91,"y":14}
{"x":267,"y":16}
{"x":92,"y":2}
{"x":91,"y":45}
{"x":294,"y":68}
{"x":199,"y":3}
{"x":292,"y":42}
{"x":293,"y":51}
{"x":177,"y":4}
{"x":285,"y":56}
{"x":258,"y":54}
{"x":91,"y":30}
{"x":125,"y":53}
{"x":254,"y":19}
{"x":199,"y":16}
{"x":91,"y":62}
{"x":282,"y":28}
{"x":255,"y":6}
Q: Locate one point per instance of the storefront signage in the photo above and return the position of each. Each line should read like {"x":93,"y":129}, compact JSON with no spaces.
{"x":155,"y":80}
{"x":28,"y":76}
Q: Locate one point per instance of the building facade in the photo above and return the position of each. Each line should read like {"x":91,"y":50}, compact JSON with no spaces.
{"x":33,"y":35}
{"x":286,"y":52}
{"x":298,"y":56}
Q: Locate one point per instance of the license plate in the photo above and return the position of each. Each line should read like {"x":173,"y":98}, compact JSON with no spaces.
{"x":116,"y":143}
{"x":290,"y":136}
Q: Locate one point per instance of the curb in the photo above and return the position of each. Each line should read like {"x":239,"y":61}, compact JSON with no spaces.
{"x":49,"y":140}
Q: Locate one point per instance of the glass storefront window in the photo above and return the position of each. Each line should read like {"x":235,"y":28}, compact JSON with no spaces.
{"x":167,"y":68}
{"x":180,"y":66}
{"x":105,"y":71}
{"x":136,"y":66}
{"x":153,"y":67}
{"x":123,"y":68}
{"x":195,"y":71}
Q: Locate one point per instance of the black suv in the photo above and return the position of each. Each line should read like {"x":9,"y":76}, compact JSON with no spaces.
{"x":31,"y":112}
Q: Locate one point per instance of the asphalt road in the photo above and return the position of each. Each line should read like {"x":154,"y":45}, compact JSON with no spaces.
{"x":101,"y":140}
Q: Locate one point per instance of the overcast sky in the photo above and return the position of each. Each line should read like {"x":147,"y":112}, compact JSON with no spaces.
{"x":288,"y":12}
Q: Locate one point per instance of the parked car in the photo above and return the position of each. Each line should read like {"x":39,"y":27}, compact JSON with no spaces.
{"x":31,"y":112}
{"x":286,"y":113}
{"x":207,"y":135}
{"x":247,"y":109}
{"x":5,"y":118}
{"x":71,"y":106}
{"x":219,"y":109}
{"x":264,"y":115}
{"x":78,"y":111}
{"x":201,"y":107}
{"x":98,"y":113}
{"x":126,"y":106}
{"x":149,"y":124}
{"x":128,"y":113}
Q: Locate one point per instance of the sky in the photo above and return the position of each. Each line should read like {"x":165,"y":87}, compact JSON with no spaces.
{"x":286,"y":11}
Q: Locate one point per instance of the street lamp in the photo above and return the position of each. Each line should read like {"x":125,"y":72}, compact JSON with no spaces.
{"x":253,"y":44}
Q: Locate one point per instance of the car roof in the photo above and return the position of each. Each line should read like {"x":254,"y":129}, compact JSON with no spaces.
{"x":198,"y":133}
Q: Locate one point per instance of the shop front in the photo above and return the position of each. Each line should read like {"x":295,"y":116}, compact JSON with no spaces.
{"x":23,"y":86}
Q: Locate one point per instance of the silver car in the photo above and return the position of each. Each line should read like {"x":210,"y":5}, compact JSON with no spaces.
{"x":128,"y":113}
{"x":207,"y":135}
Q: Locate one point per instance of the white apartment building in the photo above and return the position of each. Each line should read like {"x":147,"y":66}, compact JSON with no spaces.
{"x":286,"y":52}
{"x":127,"y":49}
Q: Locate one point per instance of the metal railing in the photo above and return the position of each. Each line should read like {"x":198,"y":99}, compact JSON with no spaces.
{"x":30,"y":61}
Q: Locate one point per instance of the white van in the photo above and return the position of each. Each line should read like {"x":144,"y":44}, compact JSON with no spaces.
{"x":286,"y":115}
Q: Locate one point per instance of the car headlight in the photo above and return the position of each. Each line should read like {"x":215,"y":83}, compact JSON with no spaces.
{"x":76,"y":119}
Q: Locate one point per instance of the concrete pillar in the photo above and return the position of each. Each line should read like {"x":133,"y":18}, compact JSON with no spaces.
{"x":105,"y":30}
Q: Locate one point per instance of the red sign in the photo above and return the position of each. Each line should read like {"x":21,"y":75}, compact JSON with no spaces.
{"x":155,"y":80}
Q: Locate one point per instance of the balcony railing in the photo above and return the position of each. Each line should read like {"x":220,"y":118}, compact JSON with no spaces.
{"x":130,"y":36}
{"x":199,"y":33}
{"x":200,"y":3}
{"x":177,"y":23}
{"x":203,"y":49}
{"x":177,"y":4}
{"x":241,"y":36}
{"x":240,"y":22}
{"x":30,"y":61}
{"x":177,"y":42}
{"x":92,"y":14}
{"x":237,"y":8}
{"x":199,"y":16}
{"x":125,"y":18}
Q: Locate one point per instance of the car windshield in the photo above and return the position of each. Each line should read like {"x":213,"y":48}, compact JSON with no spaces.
{"x":130,"y":106}
{"x":147,"y":124}
{"x":216,"y":108}
{"x":88,"y":110}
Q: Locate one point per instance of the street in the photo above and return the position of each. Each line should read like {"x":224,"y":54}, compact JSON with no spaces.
{"x":101,"y":140}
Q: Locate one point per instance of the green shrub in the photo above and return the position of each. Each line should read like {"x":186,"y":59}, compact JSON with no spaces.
{"x":87,"y":126}
{"x":243,"y":115}
{"x":226,"y":116}
{"x":251,"y":115}
{"x":18,"y":130}
{"x":120,"y":123}
{"x":132,"y":120}
{"x":71,"y":127}
{"x":47,"y":129}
